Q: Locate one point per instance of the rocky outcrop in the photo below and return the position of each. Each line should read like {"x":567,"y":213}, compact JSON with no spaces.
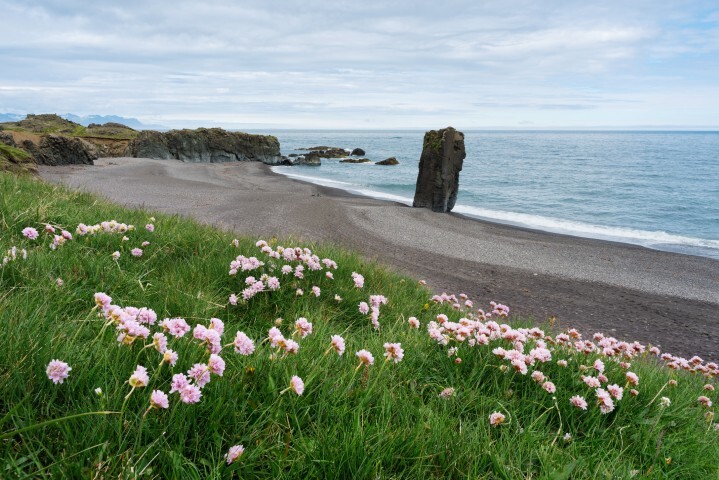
{"x":357,"y":152}
{"x":7,"y":139}
{"x":439,"y":166}
{"x":312,"y":159}
{"x":388,"y":161}
{"x":355,"y":160}
{"x":324,"y":151}
{"x":60,"y":150}
{"x":206,"y":145}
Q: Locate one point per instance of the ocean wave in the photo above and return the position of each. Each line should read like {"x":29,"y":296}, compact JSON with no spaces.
{"x":659,"y":240}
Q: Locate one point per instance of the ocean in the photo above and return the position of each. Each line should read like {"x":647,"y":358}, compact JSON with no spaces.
{"x":655,"y":189}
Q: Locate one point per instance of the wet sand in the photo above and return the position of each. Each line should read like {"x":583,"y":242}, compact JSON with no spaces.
{"x":634,"y":293}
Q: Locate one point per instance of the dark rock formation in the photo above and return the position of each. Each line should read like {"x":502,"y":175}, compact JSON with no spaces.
{"x":357,"y":152}
{"x":327,"y":152}
{"x":7,"y":139}
{"x":439,"y":166}
{"x":388,"y":161}
{"x":206,"y":145}
{"x":355,"y":160}
{"x":60,"y":150}
{"x":312,"y":159}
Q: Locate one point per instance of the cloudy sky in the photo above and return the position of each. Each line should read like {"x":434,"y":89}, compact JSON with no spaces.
{"x":366,"y":64}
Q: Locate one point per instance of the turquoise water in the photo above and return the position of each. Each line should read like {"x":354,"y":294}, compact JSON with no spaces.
{"x":657,"y":189}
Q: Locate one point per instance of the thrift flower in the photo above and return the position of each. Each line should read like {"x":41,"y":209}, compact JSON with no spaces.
{"x":632,"y":378}
{"x":170,"y":356}
{"x":665,"y":401}
{"x":616,"y":391}
{"x":316,"y":291}
{"x":365,"y":357}
{"x":30,"y":233}
{"x":179,"y":381}
{"x":549,"y":387}
{"x":338,"y":344}
{"x":394,"y":351}
{"x":358,"y":279}
{"x":303,"y":327}
{"x":98,"y":391}
{"x":297,"y":385}
{"x":496,"y":419}
{"x":115,"y":255}
{"x":136,"y":252}
{"x":413,"y":322}
{"x":139,"y":378}
{"x":234,"y":453}
{"x":705,"y":401}
{"x":447,"y":392}
{"x":216,"y":364}
{"x":243,"y":344}
{"x":58,"y":371}
{"x":363,"y":308}
{"x":158,"y":399}
{"x":190,"y":394}
{"x":150,"y":227}
{"x":604,"y":400}
{"x":200,"y":373}
{"x":578,"y":402}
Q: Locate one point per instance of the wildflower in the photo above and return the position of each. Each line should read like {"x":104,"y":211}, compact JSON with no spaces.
{"x":538,"y":376}
{"x":98,"y":391}
{"x":365,"y":357}
{"x":599,"y":366}
{"x":338,"y":299}
{"x":200,"y":373}
{"x":115,"y":255}
{"x":49,"y":228}
{"x":299,"y":292}
{"x":139,"y":378}
{"x":58,"y":371}
{"x":562,"y":363}
{"x":59,"y":282}
{"x":632,"y":378}
{"x":235,"y":243}
{"x":316,"y":291}
{"x":150,"y":227}
{"x":549,"y":387}
{"x":363,"y":308}
{"x":358,"y":280}
{"x":616,"y":391}
{"x":578,"y":402}
{"x":329,"y":276}
{"x":158,"y":399}
{"x":338,"y":344}
{"x":592,"y":382}
{"x":297,"y":385}
{"x":234,"y":453}
{"x":144,"y":244}
{"x":634,"y":392}
{"x":102,"y":300}
{"x":30,"y":233}
{"x":567,"y":437}
{"x":393,"y":351}
{"x":66,"y":235}
{"x":665,"y":401}
{"x":233,"y":299}
{"x":243,"y":344}
{"x":303,"y":327}
{"x":705,"y":401}
{"x":457,"y":360}
{"x":170,"y":356}
{"x":291,"y":346}
{"x":273,"y":283}
{"x":177,"y":327}
{"x":496,"y":419}
{"x":179,"y":381}
{"x":447,"y":392}
{"x":136,"y":252}
{"x":672,"y":383}
{"x":413,"y":322}
{"x":159,"y":341}
{"x":190,"y":394}
{"x":709,"y":387}
{"x":604,"y":400}
{"x":286,"y":269}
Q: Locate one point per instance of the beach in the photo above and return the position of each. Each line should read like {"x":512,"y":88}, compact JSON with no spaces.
{"x":634,"y":293}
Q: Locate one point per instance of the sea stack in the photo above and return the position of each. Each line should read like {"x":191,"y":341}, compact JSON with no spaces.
{"x":439,"y":166}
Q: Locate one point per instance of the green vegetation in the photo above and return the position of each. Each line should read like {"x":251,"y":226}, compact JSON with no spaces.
{"x":15,"y":160}
{"x":54,"y":124}
{"x":383,"y":421}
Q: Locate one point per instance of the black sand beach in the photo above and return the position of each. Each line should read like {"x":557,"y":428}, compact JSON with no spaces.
{"x":666,"y":299}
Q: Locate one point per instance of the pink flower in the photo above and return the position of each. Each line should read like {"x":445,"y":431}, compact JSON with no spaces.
{"x":102,"y":300}
{"x":496,"y":419}
{"x":447,"y":392}
{"x":233,"y":299}
{"x":115,"y":255}
{"x":190,"y":394}
{"x":291,"y":346}
{"x":66,"y":235}
{"x":179,"y":382}
{"x":705,"y":401}
{"x":316,"y":291}
{"x":365,"y":357}
{"x":592,"y":382}
{"x":136,"y":252}
{"x":549,"y":387}
{"x":604,"y":400}
{"x":358,"y":279}
{"x":616,"y":391}
{"x":303,"y":327}
{"x":286,"y":269}
{"x":394,"y":351}
{"x":159,"y":341}
{"x":329,"y":276}
{"x":578,"y":402}
{"x":200,"y":373}
{"x":177,"y":327}
{"x":297,"y":385}
{"x":170,"y":356}
{"x":30,"y":233}
{"x":709,"y":387}
{"x":150,"y":227}
{"x":632,"y":378}
{"x":234,"y":453}
{"x":562,"y":363}
{"x":158,"y":399}
{"x":413,"y":322}
{"x":144,"y":244}
{"x":538,"y":376}
{"x":338,"y":343}
{"x":363,"y":308}
{"x":599,"y":366}
{"x":139,"y":378}
{"x":58,"y":371}
{"x":49,"y":228}
{"x":273,"y":283}
{"x":216,"y":364}
{"x":243,"y":344}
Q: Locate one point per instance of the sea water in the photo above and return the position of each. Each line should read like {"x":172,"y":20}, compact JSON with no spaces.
{"x":656,"y":189}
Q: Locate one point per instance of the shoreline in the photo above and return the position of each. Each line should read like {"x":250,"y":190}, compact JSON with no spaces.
{"x":628,"y":291}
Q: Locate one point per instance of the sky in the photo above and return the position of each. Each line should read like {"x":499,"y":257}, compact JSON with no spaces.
{"x":366,"y":64}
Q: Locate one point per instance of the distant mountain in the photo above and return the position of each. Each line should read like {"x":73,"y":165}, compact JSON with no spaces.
{"x":100,"y":119}
{"x":10,"y":117}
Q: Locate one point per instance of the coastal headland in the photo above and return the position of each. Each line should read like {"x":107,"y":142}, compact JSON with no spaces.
{"x":633,"y":293}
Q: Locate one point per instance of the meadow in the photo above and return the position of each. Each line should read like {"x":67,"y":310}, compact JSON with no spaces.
{"x":143,"y":345}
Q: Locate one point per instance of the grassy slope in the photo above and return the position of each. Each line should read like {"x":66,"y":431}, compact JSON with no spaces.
{"x":389,"y":423}
{"x":15,"y":160}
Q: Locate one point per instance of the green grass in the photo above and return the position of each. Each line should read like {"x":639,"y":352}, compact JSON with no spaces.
{"x":15,"y":160}
{"x":383,"y":422}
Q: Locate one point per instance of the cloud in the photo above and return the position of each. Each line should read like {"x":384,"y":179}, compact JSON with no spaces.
{"x":404,"y":63}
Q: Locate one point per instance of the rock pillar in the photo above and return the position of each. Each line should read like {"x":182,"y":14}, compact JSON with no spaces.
{"x":439,"y":166}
